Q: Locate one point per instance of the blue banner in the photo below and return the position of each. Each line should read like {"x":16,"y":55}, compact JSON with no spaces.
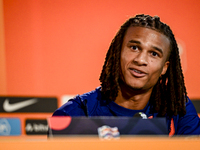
{"x":10,"y":127}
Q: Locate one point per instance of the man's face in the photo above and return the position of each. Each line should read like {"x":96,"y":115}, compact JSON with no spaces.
{"x":143,"y":57}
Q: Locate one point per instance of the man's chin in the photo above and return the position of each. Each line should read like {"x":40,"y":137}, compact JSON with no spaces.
{"x":131,"y":86}
{"x":134,"y":87}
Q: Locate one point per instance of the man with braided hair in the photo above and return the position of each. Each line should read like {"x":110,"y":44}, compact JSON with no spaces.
{"x":141,"y":73}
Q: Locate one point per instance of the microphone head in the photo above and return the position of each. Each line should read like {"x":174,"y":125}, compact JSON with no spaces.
{"x":140,"y":115}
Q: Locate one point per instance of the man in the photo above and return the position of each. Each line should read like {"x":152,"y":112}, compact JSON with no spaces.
{"x":141,"y":73}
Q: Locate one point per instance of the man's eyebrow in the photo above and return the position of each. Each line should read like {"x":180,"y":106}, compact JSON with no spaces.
{"x":134,"y":41}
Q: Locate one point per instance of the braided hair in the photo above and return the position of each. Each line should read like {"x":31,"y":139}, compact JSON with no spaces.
{"x":169,"y":94}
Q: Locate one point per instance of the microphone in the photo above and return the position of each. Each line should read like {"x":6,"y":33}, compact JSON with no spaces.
{"x":140,"y":115}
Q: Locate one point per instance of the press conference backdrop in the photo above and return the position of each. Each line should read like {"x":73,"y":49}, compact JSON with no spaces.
{"x":57,"y":47}
{"x":52,"y":48}
{"x":27,"y":116}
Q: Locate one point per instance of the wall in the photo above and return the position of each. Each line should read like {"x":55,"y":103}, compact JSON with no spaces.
{"x":58,"y":47}
{"x":2,"y":52}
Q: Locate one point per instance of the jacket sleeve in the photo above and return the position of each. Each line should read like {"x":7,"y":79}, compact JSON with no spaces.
{"x":190,"y":123}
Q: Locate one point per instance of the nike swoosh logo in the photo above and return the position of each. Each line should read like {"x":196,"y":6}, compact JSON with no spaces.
{"x":16,"y":106}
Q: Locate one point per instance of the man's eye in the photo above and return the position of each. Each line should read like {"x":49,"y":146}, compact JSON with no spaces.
{"x":134,"y":47}
{"x":154,"y":53}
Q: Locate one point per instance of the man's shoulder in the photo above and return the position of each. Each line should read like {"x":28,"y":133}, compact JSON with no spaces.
{"x":90,"y":99}
{"x":92,"y":95}
{"x":76,"y":106}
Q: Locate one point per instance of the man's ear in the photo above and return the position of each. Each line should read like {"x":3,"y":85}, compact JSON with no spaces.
{"x":164,"y":70}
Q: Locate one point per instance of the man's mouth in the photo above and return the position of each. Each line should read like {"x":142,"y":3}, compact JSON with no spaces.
{"x":137,"y":73}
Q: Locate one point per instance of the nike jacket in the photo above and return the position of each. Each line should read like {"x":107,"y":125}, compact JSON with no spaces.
{"x":91,"y":104}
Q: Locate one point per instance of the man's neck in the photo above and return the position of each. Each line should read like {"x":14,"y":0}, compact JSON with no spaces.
{"x":133,"y":99}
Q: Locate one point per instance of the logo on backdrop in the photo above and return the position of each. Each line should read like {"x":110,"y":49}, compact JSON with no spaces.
{"x":28,"y":104}
{"x":18,"y":105}
{"x":36,"y":127}
{"x":107,"y":132}
{"x":4,"y":127}
{"x":10,"y":126}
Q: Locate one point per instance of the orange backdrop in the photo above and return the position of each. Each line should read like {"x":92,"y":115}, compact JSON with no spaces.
{"x":56,"y":47}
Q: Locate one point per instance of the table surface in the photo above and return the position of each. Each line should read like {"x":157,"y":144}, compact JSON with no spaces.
{"x":94,"y":143}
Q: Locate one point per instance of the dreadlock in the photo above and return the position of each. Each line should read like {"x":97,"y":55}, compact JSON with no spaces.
{"x":169,"y":94}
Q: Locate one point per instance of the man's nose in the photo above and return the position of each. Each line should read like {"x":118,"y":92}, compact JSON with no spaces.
{"x":141,"y":58}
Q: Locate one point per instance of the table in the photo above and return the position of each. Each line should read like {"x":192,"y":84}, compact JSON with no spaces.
{"x":94,"y":143}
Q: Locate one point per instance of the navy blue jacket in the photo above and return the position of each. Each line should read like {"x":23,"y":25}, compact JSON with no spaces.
{"x":91,"y":104}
